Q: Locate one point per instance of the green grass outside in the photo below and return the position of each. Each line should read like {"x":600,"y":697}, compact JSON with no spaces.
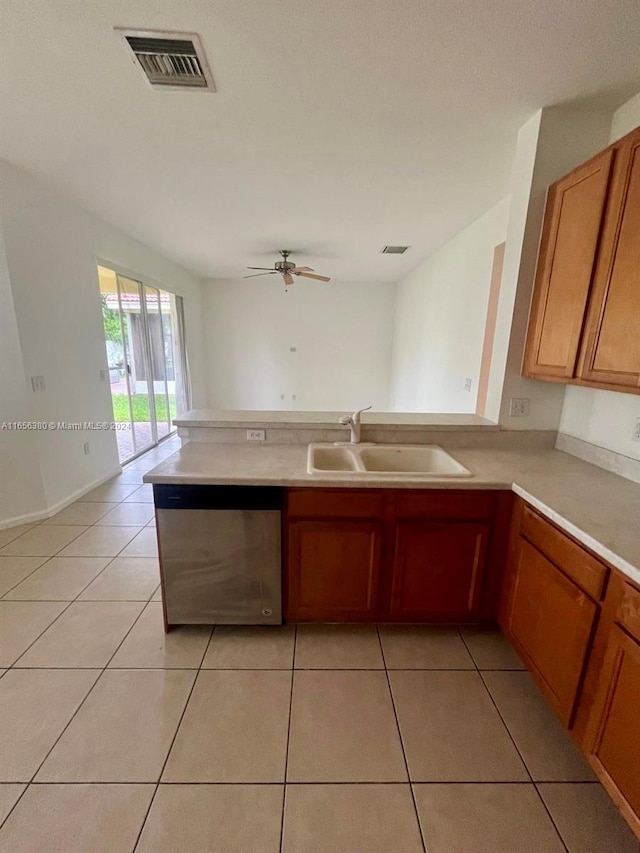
{"x":140,"y":403}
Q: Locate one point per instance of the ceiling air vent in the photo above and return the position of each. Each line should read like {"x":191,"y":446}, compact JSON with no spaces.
{"x":170,"y":60}
{"x":394,"y":250}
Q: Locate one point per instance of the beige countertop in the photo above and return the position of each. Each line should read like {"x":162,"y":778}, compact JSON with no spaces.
{"x":599,"y":508}
{"x":263,"y":419}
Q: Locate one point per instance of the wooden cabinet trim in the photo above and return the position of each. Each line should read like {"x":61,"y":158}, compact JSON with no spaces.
{"x":628,"y":613}
{"x":567,"y":554}
{"x":335,"y":503}
{"x":454,"y":504}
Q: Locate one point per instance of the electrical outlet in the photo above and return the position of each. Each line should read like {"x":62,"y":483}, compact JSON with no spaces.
{"x":519,"y":407}
{"x":37,"y":383}
{"x":293,"y":349}
{"x":256,"y":435}
{"x":87,"y":448}
{"x":467,"y":384}
{"x":636,"y":430}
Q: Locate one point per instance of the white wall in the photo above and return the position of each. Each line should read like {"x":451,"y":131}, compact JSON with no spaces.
{"x":341,"y":331}
{"x":441,"y":309}
{"x":51,"y":251}
{"x":550,"y":144}
{"x":21,"y":489}
{"x":606,"y":418}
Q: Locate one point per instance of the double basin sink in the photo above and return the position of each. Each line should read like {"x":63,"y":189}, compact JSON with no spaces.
{"x":384,"y":459}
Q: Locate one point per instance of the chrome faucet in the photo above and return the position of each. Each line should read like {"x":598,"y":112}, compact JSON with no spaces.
{"x":354,"y":423}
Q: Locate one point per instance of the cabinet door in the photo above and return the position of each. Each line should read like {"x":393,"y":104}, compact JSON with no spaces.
{"x":611,"y":349}
{"x":614,"y":735}
{"x":570,"y":236}
{"x":551,"y":622}
{"x":438,"y":570}
{"x":333,"y":570}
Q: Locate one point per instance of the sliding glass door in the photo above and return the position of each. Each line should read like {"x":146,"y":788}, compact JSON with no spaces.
{"x":145,"y":356}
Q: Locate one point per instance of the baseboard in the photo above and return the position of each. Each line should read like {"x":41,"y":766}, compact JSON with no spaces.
{"x":617,"y":463}
{"x":40,"y":515}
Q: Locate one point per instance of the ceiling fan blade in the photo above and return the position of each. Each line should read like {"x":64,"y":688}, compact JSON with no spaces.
{"x":261,"y":268}
{"x":256,"y":274}
{"x":303,"y":269}
{"x":288,"y":279}
{"x":312,"y":275}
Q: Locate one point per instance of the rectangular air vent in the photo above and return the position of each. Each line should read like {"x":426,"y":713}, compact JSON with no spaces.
{"x":170,"y":60}
{"x":394,"y":250}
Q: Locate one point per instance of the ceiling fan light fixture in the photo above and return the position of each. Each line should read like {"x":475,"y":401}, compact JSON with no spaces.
{"x":287,"y":269}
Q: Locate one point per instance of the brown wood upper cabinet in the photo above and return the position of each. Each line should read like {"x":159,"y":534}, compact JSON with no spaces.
{"x":611,"y":343}
{"x":584,"y":326}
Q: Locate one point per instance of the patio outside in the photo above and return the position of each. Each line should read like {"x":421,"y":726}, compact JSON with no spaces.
{"x":141,"y":417}
{"x":139,"y":347}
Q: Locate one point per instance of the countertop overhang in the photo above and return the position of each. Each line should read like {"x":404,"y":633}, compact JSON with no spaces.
{"x":263,"y":419}
{"x":598,"y":508}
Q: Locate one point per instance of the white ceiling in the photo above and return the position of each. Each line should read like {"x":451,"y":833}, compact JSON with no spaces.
{"x":338,"y":126}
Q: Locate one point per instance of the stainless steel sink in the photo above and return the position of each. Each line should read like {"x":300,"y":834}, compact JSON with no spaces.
{"x":380,"y":460}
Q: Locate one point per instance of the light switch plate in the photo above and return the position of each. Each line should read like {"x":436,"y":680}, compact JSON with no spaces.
{"x":636,"y":430}
{"x":37,"y":383}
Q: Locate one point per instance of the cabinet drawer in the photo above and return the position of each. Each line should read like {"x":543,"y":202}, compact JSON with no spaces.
{"x":334,"y":503}
{"x":450,"y":504}
{"x":628,"y":614}
{"x":588,"y":572}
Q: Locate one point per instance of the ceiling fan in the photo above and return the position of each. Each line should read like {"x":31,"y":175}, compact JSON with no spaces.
{"x":287,"y":270}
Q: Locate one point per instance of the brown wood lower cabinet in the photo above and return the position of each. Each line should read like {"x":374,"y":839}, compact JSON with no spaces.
{"x":438,"y":570}
{"x":551,"y":621}
{"x":391,"y":555}
{"x":612,"y":739}
{"x":576,"y":625}
{"x":334,"y":570}
{"x":432,"y":556}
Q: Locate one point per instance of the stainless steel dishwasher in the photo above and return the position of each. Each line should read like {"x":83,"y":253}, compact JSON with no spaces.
{"x":220,"y":557}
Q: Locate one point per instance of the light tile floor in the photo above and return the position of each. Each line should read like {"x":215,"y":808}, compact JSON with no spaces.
{"x":115,"y":737}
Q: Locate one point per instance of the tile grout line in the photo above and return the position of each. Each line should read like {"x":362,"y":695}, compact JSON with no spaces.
{"x":515,"y":745}
{"x":173,"y":740}
{"x":73,"y":601}
{"x":404,"y":754}
{"x":286,"y":752}
{"x":291,"y":784}
{"x":91,"y":689}
{"x":4,"y":595}
{"x":28,"y":784}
